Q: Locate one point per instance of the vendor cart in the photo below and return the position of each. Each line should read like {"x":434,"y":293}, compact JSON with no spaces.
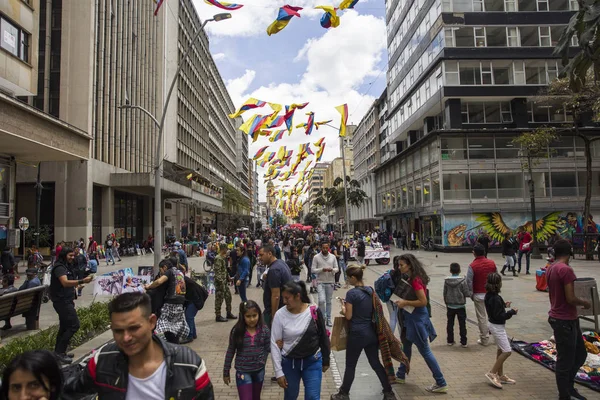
{"x":381,"y":255}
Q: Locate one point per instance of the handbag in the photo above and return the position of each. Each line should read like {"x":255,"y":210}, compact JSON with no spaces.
{"x":339,"y":335}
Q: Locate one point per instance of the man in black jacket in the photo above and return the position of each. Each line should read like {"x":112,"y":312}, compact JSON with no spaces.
{"x":140,"y":365}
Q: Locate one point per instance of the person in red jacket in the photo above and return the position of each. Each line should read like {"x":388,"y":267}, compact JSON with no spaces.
{"x":477,"y":275}
{"x":525,"y":243}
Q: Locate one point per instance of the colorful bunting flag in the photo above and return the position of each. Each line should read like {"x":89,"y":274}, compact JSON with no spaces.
{"x":347,"y":4}
{"x":283,"y":18}
{"x":250,"y":104}
{"x":223,"y":5}
{"x":260,"y":153}
{"x":277,"y":135}
{"x":343,"y":110}
{"x":158,"y":4}
{"x":330,"y":18}
{"x":318,"y":124}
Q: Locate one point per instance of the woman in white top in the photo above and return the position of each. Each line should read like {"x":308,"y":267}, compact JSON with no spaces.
{"x":299,"y":344}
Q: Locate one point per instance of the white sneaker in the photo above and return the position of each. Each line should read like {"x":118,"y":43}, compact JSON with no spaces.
{"x":464,"y":346}
{"x":451,"y":344}
{"x":505,"y":380}
{"x":483,"y":342}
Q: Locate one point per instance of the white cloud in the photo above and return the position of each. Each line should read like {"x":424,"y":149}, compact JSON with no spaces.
{"x":338,"y":63}
{"x":218,"y":56}
{"x":255,"y":16}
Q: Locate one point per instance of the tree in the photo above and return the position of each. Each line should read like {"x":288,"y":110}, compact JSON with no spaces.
{"x":278,"y":220}
{"x":585,"y":26}
{"x":534,"y":146}
{"x":582,"y":74}
{"x":312,"y":219}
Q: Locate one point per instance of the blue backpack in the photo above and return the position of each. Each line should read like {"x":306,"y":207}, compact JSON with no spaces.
{"x":384,"y":286}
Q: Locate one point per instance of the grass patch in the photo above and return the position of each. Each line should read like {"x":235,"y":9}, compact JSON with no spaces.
{"x":93,"y":319}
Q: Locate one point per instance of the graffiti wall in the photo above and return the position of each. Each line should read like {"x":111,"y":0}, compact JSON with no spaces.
{"x":465,"y":229}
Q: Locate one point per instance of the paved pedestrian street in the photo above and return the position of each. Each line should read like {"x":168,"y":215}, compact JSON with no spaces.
{"x":464,"y":369}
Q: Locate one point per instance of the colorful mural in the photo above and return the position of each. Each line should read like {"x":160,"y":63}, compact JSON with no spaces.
{"x":464,"y":230}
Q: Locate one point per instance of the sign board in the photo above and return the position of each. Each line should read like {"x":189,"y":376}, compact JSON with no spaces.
{"x":23,"y":223}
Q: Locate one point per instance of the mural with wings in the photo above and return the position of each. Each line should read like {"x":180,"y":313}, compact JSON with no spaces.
{"x":466,"y":229}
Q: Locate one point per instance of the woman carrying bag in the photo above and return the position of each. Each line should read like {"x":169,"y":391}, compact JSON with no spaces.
{"x":362,"y":335}
{"x":299,"y":344}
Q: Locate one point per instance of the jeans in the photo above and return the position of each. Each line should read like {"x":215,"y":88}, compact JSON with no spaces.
{"x":190,"y":314}
{"x":309,"y":370}
{"x":570,"y":354}
{"x":325,"y":295}
{"x":242,"y":290}
{"x":249,"y":384}
{"x":527,"y":259}
{"x":355,"y":346}
{"x":68,"y":325}
{"x":342,"y":268}
{"x":509,"y":263}
{"x":461,"y":313}
{"x":109,"y":256}
{"x":393,"y":310}
{"x":429,"y":358}
{"x":115,"y":252}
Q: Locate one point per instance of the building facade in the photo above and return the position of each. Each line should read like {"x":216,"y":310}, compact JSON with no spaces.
{"x":367,"y":156}
{"x":462,"y":83}
{"x":100,"y":56}
{"x":28,"y":136}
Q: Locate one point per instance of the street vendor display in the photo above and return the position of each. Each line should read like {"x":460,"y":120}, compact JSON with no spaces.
{"x":380,"y":254}
{"x":544,"y":352}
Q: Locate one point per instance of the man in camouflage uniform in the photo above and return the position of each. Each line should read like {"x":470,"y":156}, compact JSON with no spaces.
{"x":221,"y":287}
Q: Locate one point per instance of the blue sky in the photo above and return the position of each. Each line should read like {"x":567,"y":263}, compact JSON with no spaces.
{"x":302,"y":63}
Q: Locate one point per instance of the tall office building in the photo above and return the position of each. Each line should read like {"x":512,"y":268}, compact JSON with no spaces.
{"x":99,"y":56}
{"x":462,"y":83}
{"x":369,"y":134}
{"x":27,"y":135}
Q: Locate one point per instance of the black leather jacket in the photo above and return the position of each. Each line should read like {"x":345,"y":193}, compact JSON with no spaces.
{"x":107,"y":375}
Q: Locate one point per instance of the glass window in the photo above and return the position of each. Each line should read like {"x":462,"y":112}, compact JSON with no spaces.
{"x":506,"y":112}
{"x":552,"y":69}
{"x":462,"y":5}
{"x":486,"y":72}
{"x":527,"y":5}
{"x":464,"y":37}
{"x":418,"y":193}
{"x":435,"y":189}
{"x":427,"y":191}
{"x":496,"y":36}
{"x":481,"y":148}
{"x":434,"y":152}
{"x":519,"y":71}
{"x":449,"y":37}
{"x":454,"y":148}
{"x":563,"y":183}
{"x":505,"y":148}
{"x":510,"y":185}
{"x":492,"y":112}
{"x":483,"y":186}
{"x":529,"y":36}
{"x":556,"y":32}
{"x":573,"y":5}
{"x":502,"y":72}
{"x":545,"y":39}
{"x":510,"y":5}
{"x":477,"y":5}
{"x":411,"y":195}
{"x":451,"y":72}
{"x":493,"y":5}
{"x":425,"y":156}
{"x":476,"y":114}
{"x":4,"y":185}
{"x":409,"y":164}
{"x":542,"y":5}
{"x":535,"y":72}
{"x":480,"y":37}
{"x":512,"y":36}
{"x":417,"y":160}
{"x":470,"y":73}
{"x":14,"y":40}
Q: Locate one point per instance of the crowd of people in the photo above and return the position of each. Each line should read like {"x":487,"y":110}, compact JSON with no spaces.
{"x":147,"y":359}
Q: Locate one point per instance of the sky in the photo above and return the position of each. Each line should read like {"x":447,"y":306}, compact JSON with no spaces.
{"x":302,"y":63}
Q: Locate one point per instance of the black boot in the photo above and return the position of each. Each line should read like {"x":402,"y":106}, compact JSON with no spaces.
{"x":220,"y":319}
{"x":231,"y":316}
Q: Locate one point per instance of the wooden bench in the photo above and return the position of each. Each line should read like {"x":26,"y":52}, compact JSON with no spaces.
{"x":26,"y":302}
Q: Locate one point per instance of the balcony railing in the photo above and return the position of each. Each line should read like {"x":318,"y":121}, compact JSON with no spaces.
{"x":4,"y":210}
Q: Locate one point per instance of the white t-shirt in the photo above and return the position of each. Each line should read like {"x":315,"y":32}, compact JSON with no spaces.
{"x":150,"y":388}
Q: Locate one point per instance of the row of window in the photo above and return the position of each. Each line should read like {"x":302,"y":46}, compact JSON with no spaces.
{"x":482,"y":186}
{"x":500,"y":72}
{"x":508,"y":5}
{"x":504,"y":36}
{"x":14,"y":39}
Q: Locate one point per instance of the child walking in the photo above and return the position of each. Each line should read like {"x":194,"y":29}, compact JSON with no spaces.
{"x":250,"y":342}
{"x":456,"y":293}
{"x":497,"y":316}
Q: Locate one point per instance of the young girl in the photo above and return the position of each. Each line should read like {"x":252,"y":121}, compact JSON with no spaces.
{"x":250,"y":338}
{"x":497,"y":316}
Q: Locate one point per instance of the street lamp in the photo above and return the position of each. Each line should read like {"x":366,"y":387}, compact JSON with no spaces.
{"x":159,"y":148}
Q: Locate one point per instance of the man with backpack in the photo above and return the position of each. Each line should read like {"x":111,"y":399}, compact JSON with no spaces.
{"x":108,"y":246}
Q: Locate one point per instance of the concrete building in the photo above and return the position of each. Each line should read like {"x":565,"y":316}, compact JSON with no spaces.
{"x":368,"y":153}
{"x":28,"y":136}
{"x":316,"y":182}
{"x":462,"y":81}
{"x":93,"y":65}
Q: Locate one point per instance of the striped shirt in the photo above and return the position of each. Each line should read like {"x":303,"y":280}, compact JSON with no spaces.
{"x":253,"y":355}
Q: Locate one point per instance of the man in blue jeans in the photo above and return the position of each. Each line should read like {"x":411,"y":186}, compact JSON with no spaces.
{"x":243,"y":272}
{"x":563,"y":318}
{"x":325,"y":266}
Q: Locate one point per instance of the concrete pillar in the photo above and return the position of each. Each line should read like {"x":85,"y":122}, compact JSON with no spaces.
{"x":147,"y":216}
{"x":108,"y":212}
{"x":79,"y":194}
{"x":453,"y":114}
{"x":60,"y":202}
